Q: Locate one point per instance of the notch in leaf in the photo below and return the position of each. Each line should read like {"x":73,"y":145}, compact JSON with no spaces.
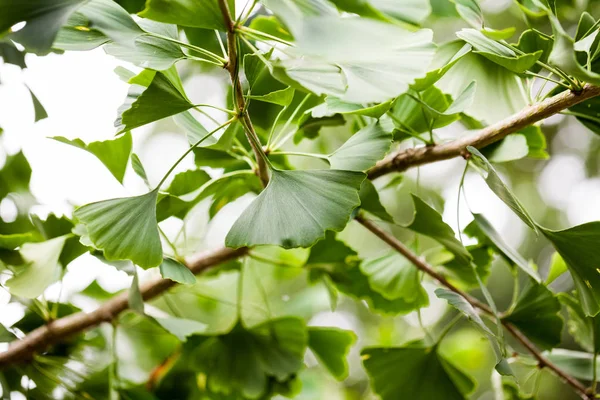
{"x":297,"y":208}
{"x":125,"y":228}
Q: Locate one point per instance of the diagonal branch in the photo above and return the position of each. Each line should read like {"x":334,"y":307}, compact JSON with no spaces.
{"x":404,"y":159}
{"x":428,"y":269}
{"x":58,"y":330}
{"x":233,"y":68}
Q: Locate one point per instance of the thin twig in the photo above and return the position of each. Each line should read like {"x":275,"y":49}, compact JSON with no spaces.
{"x":405,"y":159}
{"x":233,"y":68}
{"x":428,"y":269}
{"x":22,"y":351}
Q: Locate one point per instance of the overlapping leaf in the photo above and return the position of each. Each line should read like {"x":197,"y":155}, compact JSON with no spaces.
{"x":331,"y":346}
{"x":363,"y":149}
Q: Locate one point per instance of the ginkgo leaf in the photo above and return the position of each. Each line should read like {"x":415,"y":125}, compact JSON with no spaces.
{"x":369,"y":201}
{"x":500,"y":189}
{"x":41,"y":268}
{"x":585,"y":330}
{"x":176,"y":271}
{"x":537,"y":314}
{"x":428,"y":221}
{"x":446,"y":56}
{"x":297,"y":208}
{"x":273,"y":350}
{"x":364,"y":148}
{"x":357,"y":60}
{"x":393,"y":276}
{"x":181,"y":327}
{"x":43,"y":20}
{"x":204,"y":14}
{"x":483,"y":229}
{"x":498,"y":53}
{"x":331,"y":346}
{"x":461,"y":304}
{"x":144,"y":105}
{"x":76,"y":35}
{"x":281,"y":97}
{"x":578,"y":248}
{"x":114,"y":154}
{"x":125,"y":228}
{"x":39,"y":110}
{"x":14,"y":240}
{"x":399,"y":372}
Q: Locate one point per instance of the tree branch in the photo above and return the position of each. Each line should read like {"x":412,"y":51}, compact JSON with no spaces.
{"x":58,"y":330}
{"x":404,"y":159}
{"x":233,"y":68}
{"x":428,"y":269}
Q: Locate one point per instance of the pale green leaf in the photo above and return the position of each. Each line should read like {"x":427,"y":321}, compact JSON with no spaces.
{"x":181,"y":327}
{"x":416,"y":373}
{"x":125,"y":228}
{"x":282,"y":97}
{"x":176,"y":271}
{"x":364,"y":148}
{"x":557,"y":268}
{"x":114,"y":154}
{"x":76,"y":35}
{"x":446,"y":56}
{"x":331,"y":346}
{"x":470,"y":11}
{"x":134,"y":296}
{"x":297,"y":207}
{"x":40,"y":270}
{"x":139,"y":169}
{"x":577,"y":364}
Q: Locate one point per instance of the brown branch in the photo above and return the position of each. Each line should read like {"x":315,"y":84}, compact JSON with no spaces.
{"x":402,"y":160}
{"x":233,"y":68}
{"x":428,"y":269}
{"x":58,"y":330}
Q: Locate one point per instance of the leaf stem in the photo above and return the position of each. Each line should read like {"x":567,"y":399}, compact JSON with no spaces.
{"x":547,"y":79}
{"x":264,"y":35}
{"x":230,"y":112}
{"x":301,"y":154}
{"x":233,"y":67}
{"x":200,"y":50}
{"x":188,"y":151}
{"x":287,"y":124}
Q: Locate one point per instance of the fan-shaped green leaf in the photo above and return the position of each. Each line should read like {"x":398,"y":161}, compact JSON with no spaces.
{"x":114,"y":154}
{"x":537,"y":314}
{"x":393,"y":276}
{"x":297,"y":207}
{"x":364,"y":148}
{"x":76,"y":35}
{"x":125,"y":228}
{"x":359,"y":61}
{"x":144,"y":105}
{"x":41,"y":268}
{"x":409,"y":372}
{"x":578,"y":246}
{"x":331,"y":346}
{"x":241,"y":363}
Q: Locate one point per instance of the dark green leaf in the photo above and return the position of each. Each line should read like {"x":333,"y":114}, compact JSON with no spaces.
{"x":408,"y":372}
{"x":331,"y":346}
{"x":578,"y":247}
{"x":43,"y":20}
{"x":125,"y":228}
{"x":585,"y":330}
{"x":187,"y":182}
{"x":369,"y":201}
{"x":148,"y":104}
{"x":38,"y":108}
{"x":311,"y":201}
{"x":537,"y":314}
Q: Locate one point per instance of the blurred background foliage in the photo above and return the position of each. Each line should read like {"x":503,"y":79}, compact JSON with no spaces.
{"x":560,"y":191}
